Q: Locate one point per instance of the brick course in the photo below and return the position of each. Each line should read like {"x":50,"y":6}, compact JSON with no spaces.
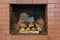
{"x":24,"y":1}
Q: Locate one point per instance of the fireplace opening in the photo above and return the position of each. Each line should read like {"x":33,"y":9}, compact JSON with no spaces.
{"x":28,"y":19}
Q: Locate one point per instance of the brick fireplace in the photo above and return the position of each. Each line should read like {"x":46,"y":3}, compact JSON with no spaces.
{"x":28,"y":19}
{"x":52,"y":20}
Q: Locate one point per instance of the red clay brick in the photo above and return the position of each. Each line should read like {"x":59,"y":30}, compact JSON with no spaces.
{"x":4,"y":31}
{"x":15,"y":37}
{"x":39,"y":1}
{"x":5,"y":1}
{"x":50,"y":33}
{"x":0,"y":37}
{"x":24,"y":37}
{"x":53,"y":1}
{"x":57,"y":31}
{"x":57,"y":18}
{"x":0,"y":10}
{"x":5,"y":10}
{"x":57,"y":5}
{"x":57,"y":27}
{"x":51,"y":5}
{"x":50,"y":18}
{"x":0,"y":20}
{"x":57,"y":1}
{"x":57,"y":10}
{"x":50,"y":27}
{"x":4,"y":5}
{"x":5,"y":15}
{"x":0,"y":1}
{"x":54,"y":34}
{"x":50,"y":14}
{"x":53,"y":28}
{"x":0,"y":27}
{"x":51,"y":10}
{"x":57,"y":22}
{"x":57,"y":38}
{"x":4,"y":26}
{"x":6,"y":37}
{"x":40,"y":37}
{"x":4,"y":21}
{"x":51,"y":23}
{"x":24,"y":1}
{"x":0,"y":14}
{"x":57,"y":14}
{"x":13,"y":1}
{"x":8,"y":1}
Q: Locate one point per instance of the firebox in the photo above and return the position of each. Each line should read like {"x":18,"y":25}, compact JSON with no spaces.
{"x":28,"y":19}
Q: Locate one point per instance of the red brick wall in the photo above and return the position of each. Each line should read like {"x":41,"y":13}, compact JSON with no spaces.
{"x":53,"y":19}
{"x":53,"y":14}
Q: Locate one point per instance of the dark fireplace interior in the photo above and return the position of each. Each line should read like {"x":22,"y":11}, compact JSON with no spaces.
{"x":28,"y":19}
